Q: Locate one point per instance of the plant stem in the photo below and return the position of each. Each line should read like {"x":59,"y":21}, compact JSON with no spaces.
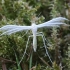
{"x":30,"y":61}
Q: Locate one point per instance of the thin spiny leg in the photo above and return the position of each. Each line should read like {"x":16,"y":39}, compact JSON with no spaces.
{"x":43,"y":37}
{"x":46,"y":49}
{"x":25,"y":50}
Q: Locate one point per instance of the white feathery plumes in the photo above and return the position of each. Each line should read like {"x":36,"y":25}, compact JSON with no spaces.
{"x":55,"y":22}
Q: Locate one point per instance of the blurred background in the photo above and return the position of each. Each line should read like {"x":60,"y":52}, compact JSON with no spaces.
{"x":12,"y":48}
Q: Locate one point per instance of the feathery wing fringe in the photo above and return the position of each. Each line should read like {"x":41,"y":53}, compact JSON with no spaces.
{"x":55,"y":22}
{"x":9,"y":29}
{"x":49,"y":25}
{"x":58,"y":19}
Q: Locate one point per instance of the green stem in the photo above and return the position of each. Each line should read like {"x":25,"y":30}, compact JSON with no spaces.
{"x":30,"y":61}
{"x":17,"y":62}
